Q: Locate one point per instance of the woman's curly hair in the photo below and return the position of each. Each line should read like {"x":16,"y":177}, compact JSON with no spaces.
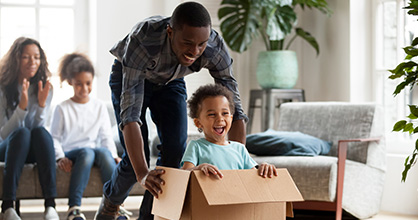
{"x":10,"y":71}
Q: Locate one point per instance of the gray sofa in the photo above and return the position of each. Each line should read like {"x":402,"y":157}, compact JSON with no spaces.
{"x":317,"y":177}
{"x":30,"y":188}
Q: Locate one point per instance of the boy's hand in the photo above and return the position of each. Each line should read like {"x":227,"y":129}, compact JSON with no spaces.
{"x":208,"y":169}
{"x":267,"y":170}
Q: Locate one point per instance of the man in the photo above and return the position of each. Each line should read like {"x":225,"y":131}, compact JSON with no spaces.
{"x":148,"y":72}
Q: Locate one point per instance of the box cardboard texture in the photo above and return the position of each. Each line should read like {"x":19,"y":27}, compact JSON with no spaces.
{"x":240,"y":194}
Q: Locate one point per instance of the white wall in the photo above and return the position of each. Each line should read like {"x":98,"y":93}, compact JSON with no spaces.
{"x":326,"y":77}
{"x":340,"y":73}
{"x":114,"y":20}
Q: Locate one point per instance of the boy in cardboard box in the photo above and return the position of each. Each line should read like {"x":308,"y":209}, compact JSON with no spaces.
{"x":211,"y":108}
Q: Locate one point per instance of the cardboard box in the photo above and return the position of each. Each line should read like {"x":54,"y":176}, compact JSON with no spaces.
{"x":240,"y":194}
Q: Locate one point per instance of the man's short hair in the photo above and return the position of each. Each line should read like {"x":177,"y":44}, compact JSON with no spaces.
{"x":190,"y":13}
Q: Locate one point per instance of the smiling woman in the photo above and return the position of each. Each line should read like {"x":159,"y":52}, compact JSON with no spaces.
{"x":59,"y":25}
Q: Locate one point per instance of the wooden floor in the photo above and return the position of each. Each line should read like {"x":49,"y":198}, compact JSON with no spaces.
{"x":33,"y":210}
{"x":90,"y":214}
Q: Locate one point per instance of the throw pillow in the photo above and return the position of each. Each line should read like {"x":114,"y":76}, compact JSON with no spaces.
{"x":285,"y":143}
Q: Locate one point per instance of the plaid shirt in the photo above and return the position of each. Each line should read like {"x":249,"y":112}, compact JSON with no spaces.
{"x":145,"y":53}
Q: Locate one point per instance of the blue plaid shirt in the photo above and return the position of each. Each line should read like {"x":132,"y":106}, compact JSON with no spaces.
{"x":145,"y":53}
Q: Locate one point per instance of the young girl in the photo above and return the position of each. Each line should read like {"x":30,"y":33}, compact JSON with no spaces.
{"x":211,"y":108}
{"x":25,"y":97}
{"x":81,"y":132}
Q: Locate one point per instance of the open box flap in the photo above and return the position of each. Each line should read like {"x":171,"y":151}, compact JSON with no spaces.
{"x":169,"y":204}
{"x":246,"y":186}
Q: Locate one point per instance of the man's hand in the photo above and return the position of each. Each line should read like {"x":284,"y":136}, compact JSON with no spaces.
{"x":152,"y":182}
{"x":267,"y":170}
{"x":208,"y":169}
{"x":65,"y":164}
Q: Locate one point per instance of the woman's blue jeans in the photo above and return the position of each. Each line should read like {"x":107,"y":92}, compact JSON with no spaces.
{"x":83,"y":160}
{"x":167,"y":104}
{"x":28,"y":146}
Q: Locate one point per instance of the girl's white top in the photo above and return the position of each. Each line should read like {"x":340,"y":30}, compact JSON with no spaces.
{"x":75,"y":125}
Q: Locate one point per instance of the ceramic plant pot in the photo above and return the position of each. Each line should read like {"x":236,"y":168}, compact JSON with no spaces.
{"x":277,"y":69}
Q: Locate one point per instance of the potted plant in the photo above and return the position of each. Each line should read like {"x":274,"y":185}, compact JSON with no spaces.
{"x":274,"y":20}
{"x":409,"y":71}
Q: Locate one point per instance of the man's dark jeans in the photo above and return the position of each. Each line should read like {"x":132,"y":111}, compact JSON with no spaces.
{"x":167,"y":104}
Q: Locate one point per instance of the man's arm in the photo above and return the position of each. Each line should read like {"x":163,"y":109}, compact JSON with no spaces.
{"x":237,"y":132}
{"x":135,"y":148}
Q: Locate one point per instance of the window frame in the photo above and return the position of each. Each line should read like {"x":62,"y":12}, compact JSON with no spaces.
{"x":394,"y":107}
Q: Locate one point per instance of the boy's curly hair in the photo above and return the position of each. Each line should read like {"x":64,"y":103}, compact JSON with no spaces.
{"x":209,"y":90}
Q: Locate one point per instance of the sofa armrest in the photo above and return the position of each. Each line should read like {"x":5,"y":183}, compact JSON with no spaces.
{"x":342,"y":156}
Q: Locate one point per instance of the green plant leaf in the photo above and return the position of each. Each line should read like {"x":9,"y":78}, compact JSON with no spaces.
{"x":273,"y":20}
{"x":409,"y":162}
{"x":414,"y":110}
{"x":416,"y":144}
{"x":415,"y":42}
{"x":412,"y":116}
{"x":399,"y":88}
{"x":410,"y":50}
{"x":321,"y":5}
{"x":309,"y":38}
{"x":395,"y":76}
{"x":402,"y":66}
{"x":406,"y":169}
{"x":280,"y":21}
{"x":409,"y":128}
{"x":240,"y":23}
{"x":399,"y":125}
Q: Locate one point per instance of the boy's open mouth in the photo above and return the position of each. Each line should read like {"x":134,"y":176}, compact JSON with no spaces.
{"x":219,"y":130}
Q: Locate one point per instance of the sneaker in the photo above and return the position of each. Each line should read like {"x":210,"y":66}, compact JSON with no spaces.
{"x":51,"y":214}
{"x":107,"y":211}
{"x":123,"y":217}
{"x":10,"y":214}
{"x":123,"y":213}
{"x":74,"y":213}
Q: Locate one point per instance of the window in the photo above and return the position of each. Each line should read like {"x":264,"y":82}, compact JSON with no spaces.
{"x":394,"y":29}
{"x":59,"y":26}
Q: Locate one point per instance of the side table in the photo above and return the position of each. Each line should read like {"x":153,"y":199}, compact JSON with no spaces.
{"x":270,"y":100}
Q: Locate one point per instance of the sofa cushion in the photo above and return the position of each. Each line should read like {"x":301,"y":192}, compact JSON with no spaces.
{"x":334,"y":121}
{"x":284,"y":143}
{"x":315,"y":177}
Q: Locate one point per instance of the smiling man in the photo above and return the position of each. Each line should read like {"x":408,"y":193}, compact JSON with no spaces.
{"x":148,"y":72}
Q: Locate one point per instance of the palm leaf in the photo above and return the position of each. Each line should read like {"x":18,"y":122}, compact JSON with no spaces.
{"x":309,"y":38}
{"x":239,"y":24}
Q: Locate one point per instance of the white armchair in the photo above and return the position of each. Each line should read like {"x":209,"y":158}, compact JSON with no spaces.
{"x":351,"y":176}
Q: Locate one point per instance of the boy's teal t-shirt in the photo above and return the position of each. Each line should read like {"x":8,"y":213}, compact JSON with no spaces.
{"x":229,"y":157}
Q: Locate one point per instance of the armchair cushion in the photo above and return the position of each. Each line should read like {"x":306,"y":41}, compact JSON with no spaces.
{"x":284,"y":143}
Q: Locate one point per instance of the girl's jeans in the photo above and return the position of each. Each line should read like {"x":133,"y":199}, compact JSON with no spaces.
{"x":83,"y":160}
